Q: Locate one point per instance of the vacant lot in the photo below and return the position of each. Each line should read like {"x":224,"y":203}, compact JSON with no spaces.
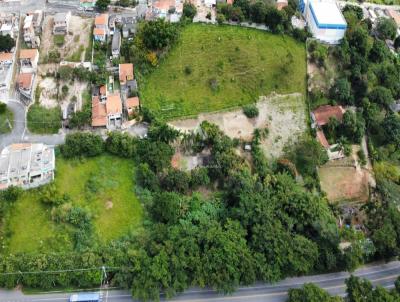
{"x":345,"y":179}
{"x":42,"y":120}
{"x":283,"y":115}
{"x":219,"y":67}
{"x":115,"y":208}
{"x":6,"y":120}
{"x":72,"y":46}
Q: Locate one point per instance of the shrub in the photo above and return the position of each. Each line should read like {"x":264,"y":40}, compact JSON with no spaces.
{"x":188,"y":70}
{"x":3,"y":108}
{"x":361,"y":157}
{"x":250,"y":111}
{"x":82,"y":144}
{"x":199,"y":177}
{"x":121,"y":144}
{"x":189,"y":10}
{"x":11,"y":194}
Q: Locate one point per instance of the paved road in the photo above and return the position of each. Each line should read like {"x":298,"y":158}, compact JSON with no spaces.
{"x":378,"y":274}
{"x":20,"y":134}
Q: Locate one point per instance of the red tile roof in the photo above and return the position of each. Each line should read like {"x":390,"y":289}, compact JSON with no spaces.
{"x":99,"y":114}
{"x":125,"y":72}
{"x":114,"y":104}
{"x":101,"y":19}
{"x":323,"y":113}
{"x":25,"y":80}
{"x":132,"y":102}
{"x":6,"y":56}
{"x":99,"y":32}
{"x":28,"y":54}
{"x":322,"y":139}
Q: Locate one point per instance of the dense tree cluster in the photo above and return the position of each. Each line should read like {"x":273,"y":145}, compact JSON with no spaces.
{"x":6,"y":43}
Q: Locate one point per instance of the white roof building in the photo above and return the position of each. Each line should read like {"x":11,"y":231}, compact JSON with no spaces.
{"x":26,"y":165}
{"x":324,"y":19}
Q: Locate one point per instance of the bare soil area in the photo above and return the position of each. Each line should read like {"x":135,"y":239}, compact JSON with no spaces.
{"x":51,"y":93}
{"x":75,"y":42}
{"x":345,"y":180}
{"x":283,"y":115}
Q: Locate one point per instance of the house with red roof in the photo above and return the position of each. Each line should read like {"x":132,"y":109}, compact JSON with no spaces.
{"x":321,"y":117}
{"x":100,"y":30}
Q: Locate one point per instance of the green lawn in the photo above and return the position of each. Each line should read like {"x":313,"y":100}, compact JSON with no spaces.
{"x":6,"y":119}
{"x":115,"y":208}
{"x":42,"y":120}
{"x":218,"y":67}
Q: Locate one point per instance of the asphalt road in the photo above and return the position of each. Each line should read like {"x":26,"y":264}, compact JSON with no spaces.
{"x":378,"y":274}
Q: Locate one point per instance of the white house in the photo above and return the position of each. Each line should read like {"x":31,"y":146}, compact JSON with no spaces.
{"x":26,"y":165}
{"x":324,"y":19}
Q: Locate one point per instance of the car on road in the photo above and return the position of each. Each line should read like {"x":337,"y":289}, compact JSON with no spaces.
{"x":85,"y":297}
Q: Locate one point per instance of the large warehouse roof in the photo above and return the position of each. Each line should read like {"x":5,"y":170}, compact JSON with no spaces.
{"x":327,"y":14}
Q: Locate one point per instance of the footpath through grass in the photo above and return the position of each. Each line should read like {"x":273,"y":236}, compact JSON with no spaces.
{"x":218,"y":67}
{"x":115,"y":209}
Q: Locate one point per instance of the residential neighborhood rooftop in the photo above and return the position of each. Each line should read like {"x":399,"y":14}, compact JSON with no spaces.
{"x":125,"y":72}
{"x":323,"y":113}
{"x":6,"y":56}
{"x":101,"y":19}
{"x":25,"y":80}
{"x":28,"y":54}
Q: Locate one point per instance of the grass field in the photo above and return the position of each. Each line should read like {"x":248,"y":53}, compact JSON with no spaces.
{"x":42,"y":120}
{"x":115,"y":208}
{"x":6,"y":119}
{"x":218,"y":67}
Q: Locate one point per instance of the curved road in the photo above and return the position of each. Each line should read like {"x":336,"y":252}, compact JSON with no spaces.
{"x":19,"y":133}
{"x":378,"y":274}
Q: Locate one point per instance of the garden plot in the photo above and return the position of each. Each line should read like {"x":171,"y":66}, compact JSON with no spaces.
{"x":283,"y":115}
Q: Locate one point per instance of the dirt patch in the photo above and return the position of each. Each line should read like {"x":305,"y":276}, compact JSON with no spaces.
{"x":109,"y":205}
{"x":344,"y":183}
{"x":345,"y":180}
{"x":75,"y":42}
{"x":283,"y":115}
{"x":48,"y":92}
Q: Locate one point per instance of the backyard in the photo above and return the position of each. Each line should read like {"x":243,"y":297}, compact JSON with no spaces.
{"x":219,"y":67}
{"x":114,"y":207}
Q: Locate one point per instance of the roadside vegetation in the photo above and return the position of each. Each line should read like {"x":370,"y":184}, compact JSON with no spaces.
{"x":219,"y":67}
{"x":6,"y":119}
{"x":357,"y":289}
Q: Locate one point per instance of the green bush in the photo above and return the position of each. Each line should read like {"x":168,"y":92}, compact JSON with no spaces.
{"x":82,"y":144}
{"x":3,"y":108}
{"x":250,"y":111}
{"x":59,"y":40}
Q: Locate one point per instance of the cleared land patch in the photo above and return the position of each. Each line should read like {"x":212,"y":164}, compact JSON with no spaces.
{"x":114,"y":207}
{"x":219,"y":67}
{"x":345,"y":180}
{"x":283,"y":115}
